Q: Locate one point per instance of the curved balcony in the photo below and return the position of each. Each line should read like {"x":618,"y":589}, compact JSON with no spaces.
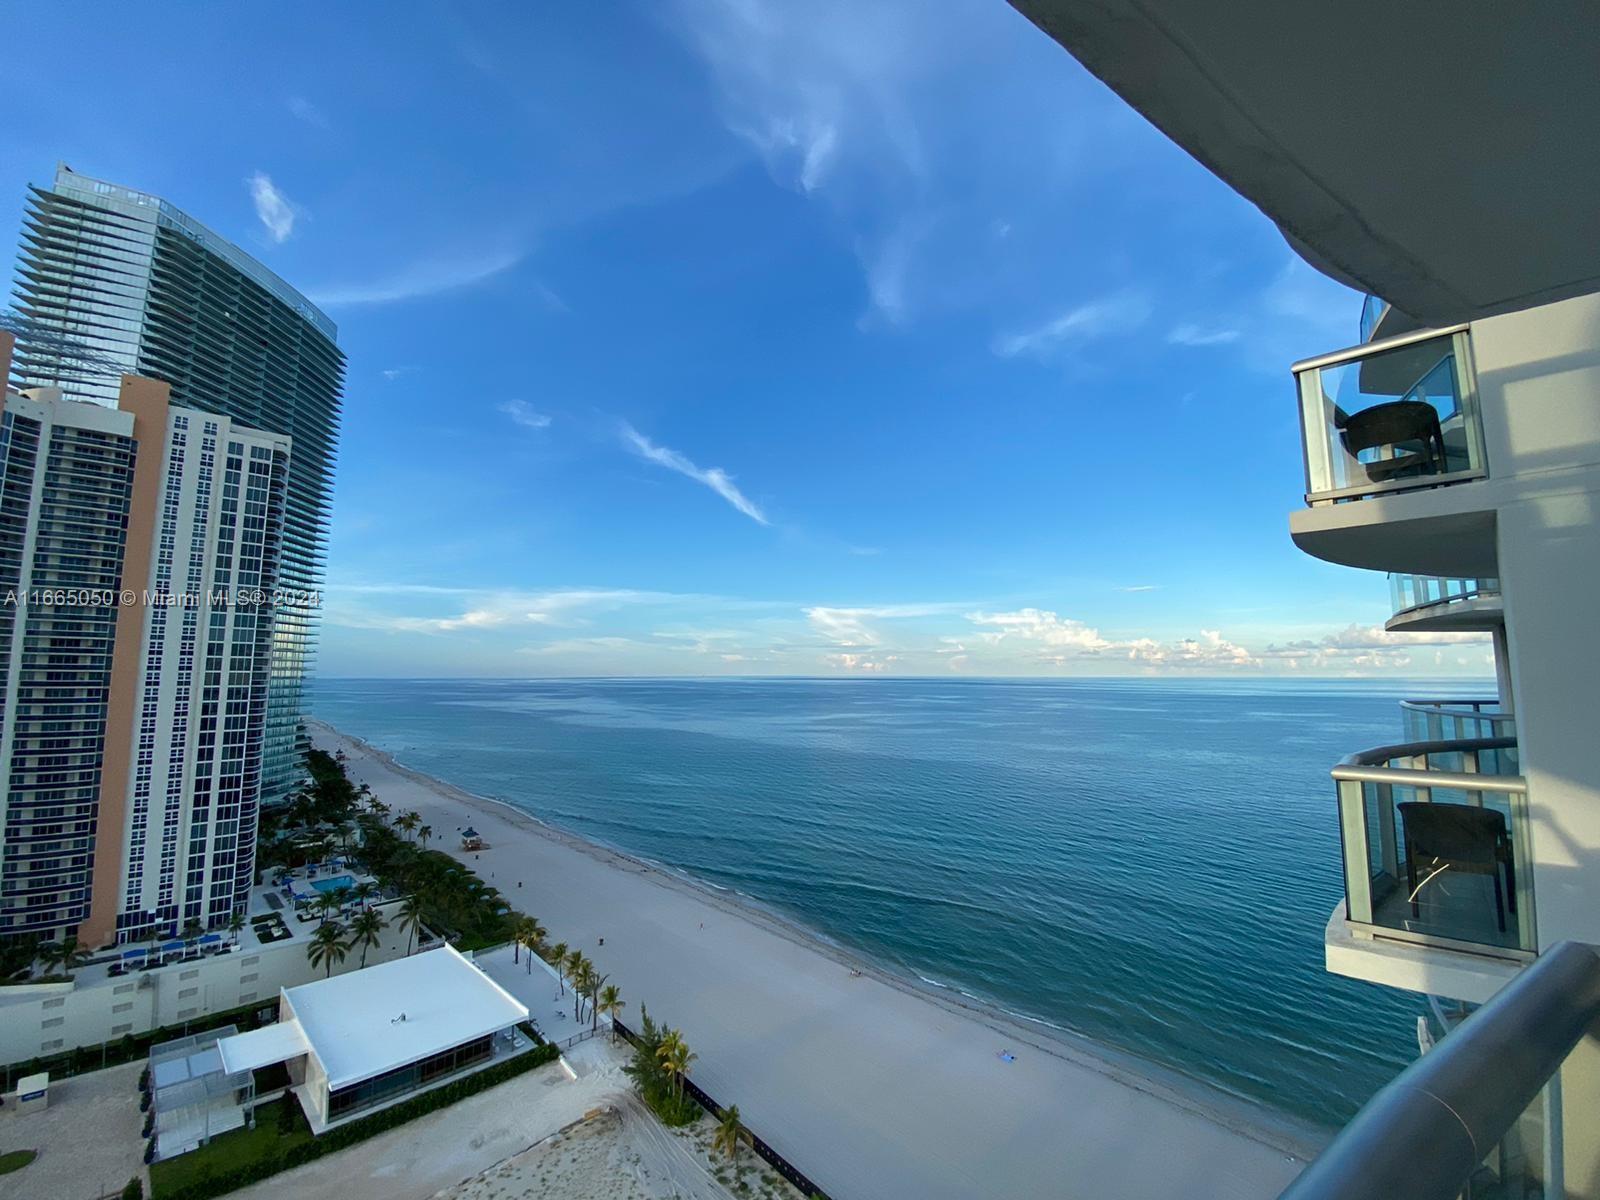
{"x":1391,"y":415}
{"x":1430,"y":603}
{"x":1456,"y":721}
{"x":1380,"y":319}
{"x":1435,"y":837}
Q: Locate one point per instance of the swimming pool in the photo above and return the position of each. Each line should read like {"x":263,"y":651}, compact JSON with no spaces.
{"x":333,"y":883}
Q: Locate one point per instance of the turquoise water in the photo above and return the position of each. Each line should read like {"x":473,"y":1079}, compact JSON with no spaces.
{"x":1148,"y":863}
{"x":334,"y":883}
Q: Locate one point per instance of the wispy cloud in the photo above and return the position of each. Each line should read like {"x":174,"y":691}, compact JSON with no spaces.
{"x":523,"y":413}
{"x":1196,"y":335}
{"x":276,"y":212}
{"x":393,"y":373}
{"x":714,"y":478}
{"x":1109,"y":316}
{"x":425,"y":278}
{"x":304,"y":110}
{"x":1141,"y":587}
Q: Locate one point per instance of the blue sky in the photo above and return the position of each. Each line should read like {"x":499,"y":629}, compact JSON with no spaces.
{"x":733,"y":337}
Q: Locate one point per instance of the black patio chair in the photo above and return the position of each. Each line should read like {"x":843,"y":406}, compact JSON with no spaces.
{"x":1459,"y":838}
{"x":1409,"y":428}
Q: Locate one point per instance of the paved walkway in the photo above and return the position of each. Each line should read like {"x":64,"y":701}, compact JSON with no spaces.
{"x":454,"y":1144}
{"x":88,"y":1140}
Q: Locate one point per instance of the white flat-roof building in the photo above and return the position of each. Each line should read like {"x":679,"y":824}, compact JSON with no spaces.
{"x":369,"y":1038}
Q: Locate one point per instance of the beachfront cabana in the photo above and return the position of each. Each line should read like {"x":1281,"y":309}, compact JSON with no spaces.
{"x":470,"y":839}
{"x":370,"y":1038}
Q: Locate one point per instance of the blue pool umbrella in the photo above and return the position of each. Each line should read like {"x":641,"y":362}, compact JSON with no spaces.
{"x":171,"y":946}
{"x":140,"y":953}
{"x":211,"y":937}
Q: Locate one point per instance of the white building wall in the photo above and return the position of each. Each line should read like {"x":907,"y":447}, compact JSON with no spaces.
{"x":43,"y":1019}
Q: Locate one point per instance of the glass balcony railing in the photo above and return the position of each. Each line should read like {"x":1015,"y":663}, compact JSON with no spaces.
{"x":1390,"y":415}
{"x":1373,"y":311}
{"x":1412,"y":593}
{"x":1435,"y":838}
{"x":1455,"y":720}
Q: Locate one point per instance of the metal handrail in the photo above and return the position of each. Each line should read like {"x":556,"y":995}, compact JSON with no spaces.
{"x":1368,"y":766}
{"x":1424,"y":1134}
{"x":1477,"y":593}
{"x":1335,"y":358}
{"x":1442,"y":703}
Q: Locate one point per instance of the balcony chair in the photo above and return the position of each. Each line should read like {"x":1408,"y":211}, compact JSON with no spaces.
{"x":1459,"y":838}
{"x":1409,"y":429}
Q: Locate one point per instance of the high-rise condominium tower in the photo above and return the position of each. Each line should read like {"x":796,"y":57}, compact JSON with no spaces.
{"x":139,"y":552}
{"x":115,"y":281}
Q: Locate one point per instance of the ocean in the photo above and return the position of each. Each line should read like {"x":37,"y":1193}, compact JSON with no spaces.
{"x":1147,"y":863}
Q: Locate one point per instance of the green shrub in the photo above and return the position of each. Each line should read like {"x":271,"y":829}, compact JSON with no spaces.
{"x":133,"y":1190}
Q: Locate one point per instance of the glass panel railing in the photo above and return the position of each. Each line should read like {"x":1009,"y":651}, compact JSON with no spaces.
{"x":1391,"y":415}
{"x":1455,"y":720}
{"x":1372,"y":312}
{"x":1410,"y":592}
{"x":1436,"y":843}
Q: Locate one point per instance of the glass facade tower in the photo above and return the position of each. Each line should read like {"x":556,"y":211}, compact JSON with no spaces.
{"x":113,"y":280}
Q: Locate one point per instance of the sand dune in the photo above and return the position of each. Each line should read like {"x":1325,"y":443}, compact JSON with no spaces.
{"x":870,"y":1085}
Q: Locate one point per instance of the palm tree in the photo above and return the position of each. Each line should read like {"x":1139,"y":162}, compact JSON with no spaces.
{"x":49,"y":955}
{"x":408,"y":821}
{"x":327,"y":947}
{"x":535,"y":938}
{"x":592,"y":985}
{"x":365,"y":891}
{"x":365,"y":929}
{"x":67,"y":953}
{"x":558,"y":960}
{"x":575,"y":964}
{"x":675,"y":1057}
{"x":424,"y":834}
{"x":526,"y":934}
{"x":730,"y":1132}
{"x":192,"y":929}
{"x":342,"y":895}
{"x":610,"y":1004}
{"x":236,"y":923}
{"x":410,"y":918}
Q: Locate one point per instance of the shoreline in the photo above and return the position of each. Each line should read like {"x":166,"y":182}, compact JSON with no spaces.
{"x":1290,"y":1137}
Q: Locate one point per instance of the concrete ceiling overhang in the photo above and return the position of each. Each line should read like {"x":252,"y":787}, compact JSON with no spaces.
{"x":1445,"y":157}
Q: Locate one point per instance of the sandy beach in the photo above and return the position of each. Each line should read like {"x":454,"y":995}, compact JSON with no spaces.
{"x":873,"y":1086}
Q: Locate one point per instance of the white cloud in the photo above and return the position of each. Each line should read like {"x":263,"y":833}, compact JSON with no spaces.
{"x":1109,"y":316}
{"x":1141,"y":587}
{"x":523,"y":414}
{"x":1196,"y":335}
{"x":308,"y":112}
{"x":820,"y":93}
{"x":273,"y":208}
{"x":424,"y":278}
{"x":1057,"y":640}
{"x":1366,"y":646}
{"x":491,"y":609}
{"x":863,"y":663}
{"x":393,"y":373}
{"x":714,"y":478}
{"x":848,"y":626}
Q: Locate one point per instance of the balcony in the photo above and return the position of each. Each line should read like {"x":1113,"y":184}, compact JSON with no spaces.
{"x":1380,"y":319}
{"x":1435,"y":837}
{"x":1430,"y":603}
{"x":1393,"y":415}
{"x":1456,"y":721}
